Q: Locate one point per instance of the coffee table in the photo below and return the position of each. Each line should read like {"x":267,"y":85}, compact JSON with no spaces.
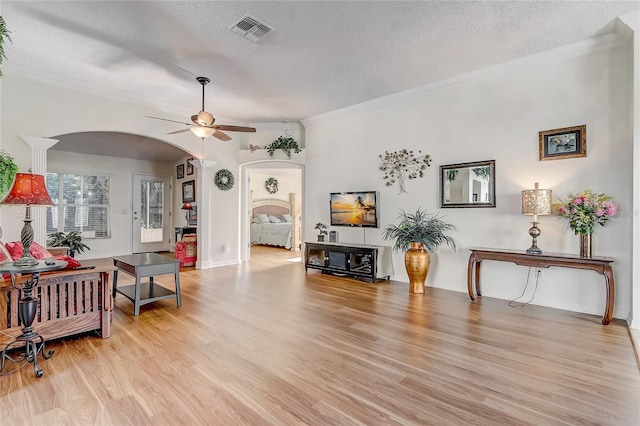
{"x":142,"y":266}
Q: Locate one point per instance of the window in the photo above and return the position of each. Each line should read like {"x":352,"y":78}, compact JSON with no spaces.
{"x":82,"y":204}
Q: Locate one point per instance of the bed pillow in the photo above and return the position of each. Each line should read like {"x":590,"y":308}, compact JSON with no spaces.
{"x":262,"y":218}
{"x":274,"y":219}
{"x":286,"y":218}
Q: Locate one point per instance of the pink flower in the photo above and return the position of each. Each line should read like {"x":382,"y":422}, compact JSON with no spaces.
{"x":577,"y":201}
{"x":561,"y":209}
{"x":574,"y":211}
{"x":600,"y":212}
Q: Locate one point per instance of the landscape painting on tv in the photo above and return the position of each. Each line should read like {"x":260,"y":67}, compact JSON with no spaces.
{"x":354,"y":209}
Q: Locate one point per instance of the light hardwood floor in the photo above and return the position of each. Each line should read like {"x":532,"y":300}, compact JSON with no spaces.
{"x":263,"y":343}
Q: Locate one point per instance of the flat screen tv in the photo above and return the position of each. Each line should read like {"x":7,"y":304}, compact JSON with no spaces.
{"x":354,"y":209}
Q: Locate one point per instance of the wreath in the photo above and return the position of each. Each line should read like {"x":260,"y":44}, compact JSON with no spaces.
{"x":224,"y":179}
{"x":271,"y":185}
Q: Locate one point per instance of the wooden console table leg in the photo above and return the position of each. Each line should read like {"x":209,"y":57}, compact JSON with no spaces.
{"x":472,"y":260}
{"x":608,"y":311}
{"x":478,"y":277}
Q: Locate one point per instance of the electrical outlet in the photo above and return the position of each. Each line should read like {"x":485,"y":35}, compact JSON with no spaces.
{"x":225,"y":248}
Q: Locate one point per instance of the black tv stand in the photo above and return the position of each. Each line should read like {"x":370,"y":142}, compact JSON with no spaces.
{"x":355,"y":260}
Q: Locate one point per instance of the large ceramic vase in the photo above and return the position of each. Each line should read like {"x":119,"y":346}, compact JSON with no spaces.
{"x":417,"y":261}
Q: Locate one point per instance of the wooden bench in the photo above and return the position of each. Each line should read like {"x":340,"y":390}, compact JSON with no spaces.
{"x":70,"y":302}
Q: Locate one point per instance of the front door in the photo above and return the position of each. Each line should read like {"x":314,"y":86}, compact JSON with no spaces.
{"x":151,"y":215}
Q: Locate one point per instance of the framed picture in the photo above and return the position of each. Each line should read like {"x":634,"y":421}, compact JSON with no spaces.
{"x":192,"y":218}
{"x":556,"y":144}
{"x":180,"y":171}
{"x":189,"y":191}
{"x":189,"y":167}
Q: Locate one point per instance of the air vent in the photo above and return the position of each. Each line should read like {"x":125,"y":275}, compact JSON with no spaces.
{"x":251,"y":28}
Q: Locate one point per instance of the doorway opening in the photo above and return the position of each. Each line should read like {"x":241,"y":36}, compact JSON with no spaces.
{"x":272,"y":198}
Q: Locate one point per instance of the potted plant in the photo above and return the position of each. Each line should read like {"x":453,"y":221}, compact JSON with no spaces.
{"x":418,"y":234}
{"x":4,"y":34}
{"x":287,"y":144}
{"x":322,"y":231}
{"x":8,"y":169}
{"x":72,"y":240}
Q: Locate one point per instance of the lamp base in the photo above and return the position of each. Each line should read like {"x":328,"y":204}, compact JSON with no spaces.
{"x":26,"y":261}
{"x":534,"y":250}
{"x":534,"y":231}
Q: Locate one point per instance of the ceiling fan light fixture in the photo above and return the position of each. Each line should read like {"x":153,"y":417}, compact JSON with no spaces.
{"x":205,"y":119}
{"x":202,"y":131}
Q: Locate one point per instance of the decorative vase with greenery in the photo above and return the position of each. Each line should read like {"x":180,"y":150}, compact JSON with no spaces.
{"x":418,"y":234}
{"x":322,"y":231}
{"x":73,"y":240}
{"x":286,"y":144}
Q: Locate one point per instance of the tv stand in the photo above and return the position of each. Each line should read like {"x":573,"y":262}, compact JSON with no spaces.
{"x":355,"y":260}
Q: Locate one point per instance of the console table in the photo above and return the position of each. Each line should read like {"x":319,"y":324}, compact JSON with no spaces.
{"x":601,"y":265}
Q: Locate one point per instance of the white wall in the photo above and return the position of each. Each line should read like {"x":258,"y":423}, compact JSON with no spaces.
{"x":495,"y":114}
{"x":121,"y":171}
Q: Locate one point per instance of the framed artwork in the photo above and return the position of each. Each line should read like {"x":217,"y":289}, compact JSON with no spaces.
{"x":189,"y":191}
{"x":189,"y":167}
{"x":192,"y":216}
{"x":569,"y":142}
{"x":180,"y":171}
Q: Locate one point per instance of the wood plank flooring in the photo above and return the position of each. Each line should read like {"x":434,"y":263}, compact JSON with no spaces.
{"x":263,"y":343}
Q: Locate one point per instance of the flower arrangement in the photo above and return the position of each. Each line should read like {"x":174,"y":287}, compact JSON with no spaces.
{"x":585,"y":210}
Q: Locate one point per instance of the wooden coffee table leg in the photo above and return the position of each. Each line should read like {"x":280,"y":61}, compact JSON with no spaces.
{"x":478,"y":277}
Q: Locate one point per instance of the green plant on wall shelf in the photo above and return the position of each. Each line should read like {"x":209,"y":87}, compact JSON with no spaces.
{"x":4,"y":34}
{"x":286,"y":144}
{"x":8,"y":169}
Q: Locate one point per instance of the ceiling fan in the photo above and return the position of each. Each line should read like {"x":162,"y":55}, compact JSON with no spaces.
{"x":202,"y":124}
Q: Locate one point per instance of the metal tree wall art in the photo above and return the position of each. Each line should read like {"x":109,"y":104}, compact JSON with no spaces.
{"x":400,"y":165}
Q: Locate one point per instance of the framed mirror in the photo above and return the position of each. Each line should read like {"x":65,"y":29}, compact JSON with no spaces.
{"x":468,"y":184}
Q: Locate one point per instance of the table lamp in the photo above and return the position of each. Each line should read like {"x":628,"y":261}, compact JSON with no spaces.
{"x":187,"y":207}
{"x":29,"y":190}
{"x":536,"y":202}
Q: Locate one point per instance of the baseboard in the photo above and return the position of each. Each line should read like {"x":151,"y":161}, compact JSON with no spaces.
{"x":634,"y":335}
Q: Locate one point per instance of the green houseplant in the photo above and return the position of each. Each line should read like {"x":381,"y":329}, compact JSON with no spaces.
{"x":4,"y":34}
{"x":418,"y":234}
{"x":8,"y":169}
{"x":286,"y":144}
{"x":322,"y":231}
{"x":73,"y":240}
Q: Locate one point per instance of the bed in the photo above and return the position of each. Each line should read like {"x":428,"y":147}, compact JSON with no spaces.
{"x":272,"y":223}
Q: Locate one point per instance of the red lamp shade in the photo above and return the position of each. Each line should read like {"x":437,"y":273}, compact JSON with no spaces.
{"x":186,"y":206}
{"x":28,"y":189}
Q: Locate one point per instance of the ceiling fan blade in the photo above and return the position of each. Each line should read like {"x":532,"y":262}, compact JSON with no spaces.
{"x":166,"y":119}
{"x":233,"y":128}
{"x":178,"y":131}
{"x":222,"y":136}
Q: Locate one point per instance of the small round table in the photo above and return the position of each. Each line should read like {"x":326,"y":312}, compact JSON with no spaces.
{"x":27,"y":310}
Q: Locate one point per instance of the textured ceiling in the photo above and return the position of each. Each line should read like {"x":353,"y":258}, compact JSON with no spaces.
{"x":322,"y":56}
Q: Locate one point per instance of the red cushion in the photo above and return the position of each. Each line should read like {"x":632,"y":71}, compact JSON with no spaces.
{"x":71,"y":262}
{"x":37,"y":251}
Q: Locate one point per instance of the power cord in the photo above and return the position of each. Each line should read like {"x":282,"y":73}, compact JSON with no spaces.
{"x":514,"y":304}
